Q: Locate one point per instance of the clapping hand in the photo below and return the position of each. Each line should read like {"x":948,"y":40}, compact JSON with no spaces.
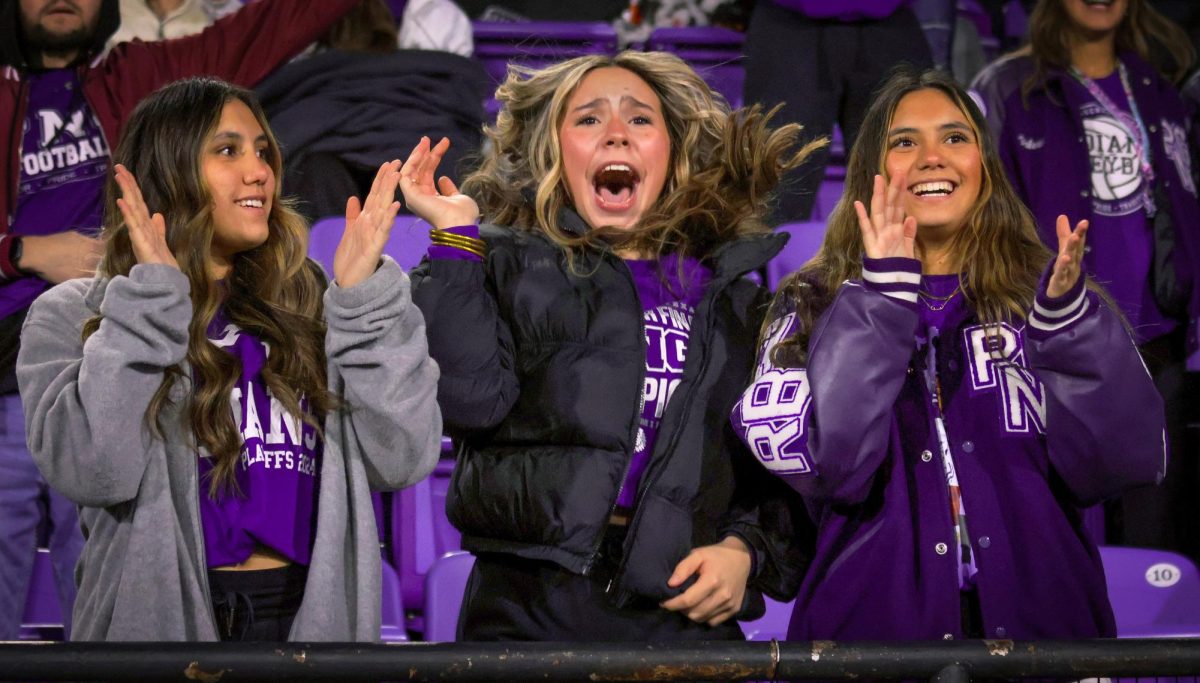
{"x":368,"y":226}
{"x":147,"y":234}
{"x":440,"y":205}
{"x":1069,"y":263}
{"x":886,"y":232}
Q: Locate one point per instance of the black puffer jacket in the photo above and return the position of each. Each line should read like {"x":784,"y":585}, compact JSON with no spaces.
{"x":541,"y":383}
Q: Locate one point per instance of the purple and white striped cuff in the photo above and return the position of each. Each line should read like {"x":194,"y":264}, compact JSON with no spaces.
{"x":897,"y":277}
{"x":1062,"y":312}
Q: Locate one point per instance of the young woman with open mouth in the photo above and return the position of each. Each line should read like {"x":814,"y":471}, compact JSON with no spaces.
{"x":590,"y":337}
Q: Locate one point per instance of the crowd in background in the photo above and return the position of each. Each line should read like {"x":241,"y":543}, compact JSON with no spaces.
{"x":1103,"y":128}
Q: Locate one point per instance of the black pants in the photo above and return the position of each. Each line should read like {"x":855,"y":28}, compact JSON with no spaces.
{"x":257,"y":605}
{"x":513,"y":598}
{"x":822,"y":72}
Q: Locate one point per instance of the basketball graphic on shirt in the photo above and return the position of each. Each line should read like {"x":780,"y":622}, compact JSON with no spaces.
{"x":1115,"y":166}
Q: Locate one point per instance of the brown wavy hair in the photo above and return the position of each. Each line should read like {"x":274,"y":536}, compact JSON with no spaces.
{"x":998,"y":245}
{"x":272,"y":291}
{"x":724,"y":165}
{"x":1144,"y":31}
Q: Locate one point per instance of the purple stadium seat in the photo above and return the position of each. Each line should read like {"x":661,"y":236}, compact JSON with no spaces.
{"x":421,"y":533}
{"x":770,"y":626}
{"x":1154,"y":593}
{"x":43,"y":612}
{"x":715,"y":53}
{"x":828,"y":195}
{"x":444,"y":587}
{"x":972,"y":11}
{"x":806,"y":239}
{"x":536,"y":44}
{"x":406,"y":244}
{"x":392,"y":608}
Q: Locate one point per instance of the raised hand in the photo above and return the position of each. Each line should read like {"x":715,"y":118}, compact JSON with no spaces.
{"x":1069,"y":264}
{"x":886,"y":232}
{"x":147,"y":234}
{"x":440,"y":205}
{"x":368,"y":226}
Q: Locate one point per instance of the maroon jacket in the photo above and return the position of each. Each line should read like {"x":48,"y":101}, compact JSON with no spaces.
{"x":242,"y":48}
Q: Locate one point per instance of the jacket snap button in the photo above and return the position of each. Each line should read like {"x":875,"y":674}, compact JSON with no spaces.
{"x":926,"y":456}
{"x":1145,"y":81}
{"x":985,"y":541}
{"x":968,"y":446}
{"x":1084,"y":193}
{"x":940,"y":548}
{"x":1153,"y":128}
{"x":948,"y":636}
{"x":1000,"y":632}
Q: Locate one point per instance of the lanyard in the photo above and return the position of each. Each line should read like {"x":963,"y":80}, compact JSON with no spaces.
{"x":1132,"y":121}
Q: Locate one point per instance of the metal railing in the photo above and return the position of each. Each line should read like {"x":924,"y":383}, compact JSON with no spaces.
{"x":945,"y":662}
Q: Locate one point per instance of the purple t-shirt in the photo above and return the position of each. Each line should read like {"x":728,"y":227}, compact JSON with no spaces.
{"x":668,"y":304}
{"x":278,"y":472}
{"x":1121,"y":232}
{"x":64,"y":159}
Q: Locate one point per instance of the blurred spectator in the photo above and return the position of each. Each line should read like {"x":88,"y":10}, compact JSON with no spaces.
{"x":822,"y":61}
{"x":1089,"y":125}
{"x":160,"y":19}
{"x":436,"y":25}
{"x":357,"y":102}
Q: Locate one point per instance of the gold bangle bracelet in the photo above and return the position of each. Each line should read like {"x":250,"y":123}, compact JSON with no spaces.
{"x":449,"y":239}
{"x":472,"y":246}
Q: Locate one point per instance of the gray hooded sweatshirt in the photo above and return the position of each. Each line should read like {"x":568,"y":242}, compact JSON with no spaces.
{"x":142,"y":575}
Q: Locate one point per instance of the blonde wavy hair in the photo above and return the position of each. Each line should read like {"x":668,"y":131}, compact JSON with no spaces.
{"x":998,"y":246}
{"x":724,"y":165}
{"x":273,"y":291}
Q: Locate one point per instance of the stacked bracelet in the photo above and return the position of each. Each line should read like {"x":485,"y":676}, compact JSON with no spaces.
{"x":445,"y":238}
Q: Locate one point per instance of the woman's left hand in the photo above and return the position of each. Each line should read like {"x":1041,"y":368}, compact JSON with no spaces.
{"x":1068,"y":266}
{"x":722,"y":571}
{"x":367,"y":228}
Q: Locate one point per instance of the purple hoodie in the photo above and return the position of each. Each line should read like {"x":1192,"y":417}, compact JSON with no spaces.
{"x":1032,"y":421}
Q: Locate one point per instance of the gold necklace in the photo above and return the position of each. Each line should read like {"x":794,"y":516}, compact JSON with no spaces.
{"x":930,"y":298}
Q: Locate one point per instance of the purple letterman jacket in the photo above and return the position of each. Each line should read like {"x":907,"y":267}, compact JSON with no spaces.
{"x":1035,"y":428}
{"x":1044,"y":152}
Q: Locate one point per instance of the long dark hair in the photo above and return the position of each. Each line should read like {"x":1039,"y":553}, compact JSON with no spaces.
{"x":998,"y":246}
{"x":272,"y":291}
{"x":1143,"y":31}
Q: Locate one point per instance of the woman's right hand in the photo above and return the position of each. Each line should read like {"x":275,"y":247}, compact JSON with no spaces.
{"x":147,"y":234}
{"x":886,"y":232}
{"x":448,"y":208}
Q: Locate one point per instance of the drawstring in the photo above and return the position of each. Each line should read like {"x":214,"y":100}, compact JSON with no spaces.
{"x":227,"y":613}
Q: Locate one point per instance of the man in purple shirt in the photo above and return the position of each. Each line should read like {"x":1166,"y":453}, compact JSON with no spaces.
{"x":61,"y":110}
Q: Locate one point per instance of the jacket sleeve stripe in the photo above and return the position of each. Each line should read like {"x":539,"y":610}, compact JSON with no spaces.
{"x":898,"y":278}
